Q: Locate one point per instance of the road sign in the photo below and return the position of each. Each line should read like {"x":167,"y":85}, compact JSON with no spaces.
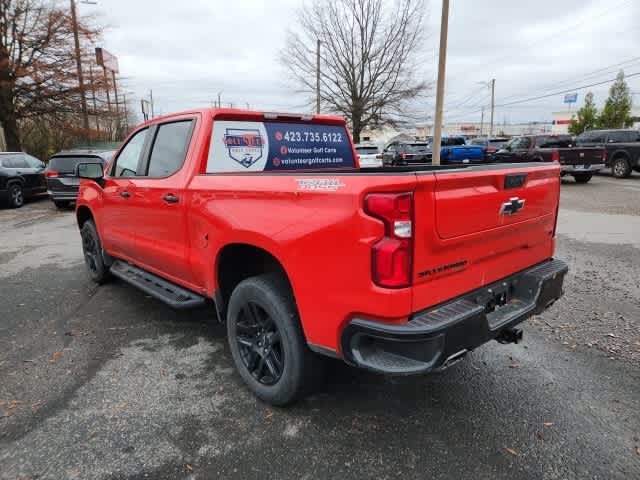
{"x":106,"y":60}
{"x":571,"y":98}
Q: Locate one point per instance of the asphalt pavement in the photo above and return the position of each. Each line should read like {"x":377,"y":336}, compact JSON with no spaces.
{"x":107,"y":383}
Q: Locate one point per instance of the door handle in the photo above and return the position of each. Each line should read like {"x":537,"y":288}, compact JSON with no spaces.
{"x":125,"y":194}
{"x":170,"y":198}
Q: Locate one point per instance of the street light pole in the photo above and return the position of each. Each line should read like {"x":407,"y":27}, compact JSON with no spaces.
{"x":442,"y":61}
{"x":76,"y":38}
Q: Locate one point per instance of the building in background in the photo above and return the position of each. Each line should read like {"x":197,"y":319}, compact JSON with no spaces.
{"x":562,"y":119}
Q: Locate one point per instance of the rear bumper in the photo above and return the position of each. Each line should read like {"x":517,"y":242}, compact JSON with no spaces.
{"x":70,"y":195}
{"x":435,"y":336}
{"x":582,"y":168}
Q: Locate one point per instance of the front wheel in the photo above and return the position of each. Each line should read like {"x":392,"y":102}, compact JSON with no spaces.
{"x":92,"y":249}
{"x":620,"y":167}
{"x":266,"y":341}
{"x":582,"y":177}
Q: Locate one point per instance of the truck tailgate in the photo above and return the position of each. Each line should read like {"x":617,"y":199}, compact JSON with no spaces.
{"x":477,"y":225}
{"x":581,"y":155}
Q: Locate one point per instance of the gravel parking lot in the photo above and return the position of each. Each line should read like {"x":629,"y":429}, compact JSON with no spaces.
{"x":107,"y":383}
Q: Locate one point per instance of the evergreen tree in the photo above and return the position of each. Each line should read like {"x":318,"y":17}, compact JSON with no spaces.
{"x":617,"y":110}
{"x":587,"y":117}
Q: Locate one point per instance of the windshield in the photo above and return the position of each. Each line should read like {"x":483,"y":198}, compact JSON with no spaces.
{"x":68,"y":164}
{"x":367,"y":150}
{"x":416,"y":147}
{"x":559,"y":141}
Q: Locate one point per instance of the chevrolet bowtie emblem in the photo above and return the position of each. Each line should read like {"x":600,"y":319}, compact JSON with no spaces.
{"x":513,"y":206}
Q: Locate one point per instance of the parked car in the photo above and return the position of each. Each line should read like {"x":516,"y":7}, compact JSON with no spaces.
{"x":623,"y":149}
{"x":405,"y":153}
{"x":21,"y":176}
{"x":60,"y":174}
{"x":491,"y":145}
{"x":388,"y":271}
{"x":580,"y":162}
{"x":369,"y":155}
{"x":455,"y":150}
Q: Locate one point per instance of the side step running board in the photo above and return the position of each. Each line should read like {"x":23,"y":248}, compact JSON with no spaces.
{"x":164,"y":290}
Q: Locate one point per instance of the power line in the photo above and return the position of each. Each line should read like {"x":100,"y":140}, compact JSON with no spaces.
{"x":585,"y":76}
{"x":570,"y":90}
{"x":555,"y":34}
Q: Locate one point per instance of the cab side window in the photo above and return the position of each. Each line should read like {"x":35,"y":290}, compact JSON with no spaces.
{"x":169,"y":148}
{"x":126,"y":164}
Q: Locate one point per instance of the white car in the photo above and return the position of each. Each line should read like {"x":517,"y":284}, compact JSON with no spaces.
{"x":369,"y":156}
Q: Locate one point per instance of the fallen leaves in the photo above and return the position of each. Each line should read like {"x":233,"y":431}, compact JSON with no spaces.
{"x":512,"y":451}
{"x":188,"y":467}
{"x":55,"y":357}
{"x":547,"y":424}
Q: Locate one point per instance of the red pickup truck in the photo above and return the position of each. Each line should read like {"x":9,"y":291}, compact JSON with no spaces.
{"x":399,"y":270}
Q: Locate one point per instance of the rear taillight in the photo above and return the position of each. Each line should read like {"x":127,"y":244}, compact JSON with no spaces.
{"x":403,"y":156}
{"x":604,"y":156}
{"x":555,"y":156}
{"x":379,"y":156}
{"x":391,"y":257}
{"x":491,"y":149}
{"x":51,"y":173}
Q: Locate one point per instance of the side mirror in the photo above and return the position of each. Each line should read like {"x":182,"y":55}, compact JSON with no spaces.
{"x":91,"y":171}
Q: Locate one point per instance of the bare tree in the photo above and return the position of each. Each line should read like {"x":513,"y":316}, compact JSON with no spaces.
{"x":37,"y":65}
{"x":370,"y":55}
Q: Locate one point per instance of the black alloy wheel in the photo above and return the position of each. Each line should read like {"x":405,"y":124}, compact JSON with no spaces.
{"x":92,"y":251}
{"x":16,"y":196}
{"x":260,"y":345}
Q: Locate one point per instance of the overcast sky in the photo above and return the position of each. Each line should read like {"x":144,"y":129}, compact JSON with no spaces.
{"x":190,"y":50}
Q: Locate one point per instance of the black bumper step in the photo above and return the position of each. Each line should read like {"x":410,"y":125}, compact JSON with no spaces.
{"x":431,"y":338}
{"x":164,"y":290}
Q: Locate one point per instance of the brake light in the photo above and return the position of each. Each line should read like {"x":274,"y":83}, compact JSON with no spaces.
{"x":491,"y":149}
{"x":51,"y":173}
{"x":391,"y":256}
{"x":379,"y":156}
{"x":604,"y":156}
{"x":555,"y":156}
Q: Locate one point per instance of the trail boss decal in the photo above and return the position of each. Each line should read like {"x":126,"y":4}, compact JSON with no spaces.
{"x":274,"y":146}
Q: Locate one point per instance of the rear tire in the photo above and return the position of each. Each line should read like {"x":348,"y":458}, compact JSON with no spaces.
{"x":582,"y":177}
{"x":16,"y":195}
{"x":61,"y":204}
{"x":93,"y":255}
{"x":267,"y":343}
{"x":620,"y":167}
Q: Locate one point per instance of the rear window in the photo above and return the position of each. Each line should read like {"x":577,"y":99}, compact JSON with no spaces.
{"x":68,"y":164}
{"x":367,"y":150}
{"x":416,"y":147}
{"x":556,"y":141}
{"x":479,"y":141}
{"x":275,"y":146}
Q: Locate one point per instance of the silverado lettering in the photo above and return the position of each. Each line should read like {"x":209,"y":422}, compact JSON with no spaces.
{"x":319,"y":257}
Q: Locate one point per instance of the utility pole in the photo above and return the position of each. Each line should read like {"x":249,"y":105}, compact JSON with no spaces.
{"x":493,"y":101}
{"x":151,"y":102}
{"x":318,"y":77}
{"x":219,"y":104}
{"x":126,"y":121}
{"x":93,"y":96}
{"x":481,"y":120}
{"x":106,"y":88}
{"x":442,"y":62}
{"x":76,"y":39}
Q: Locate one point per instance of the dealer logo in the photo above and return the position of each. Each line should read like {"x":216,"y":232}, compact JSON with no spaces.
{"x":244,"y":145}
